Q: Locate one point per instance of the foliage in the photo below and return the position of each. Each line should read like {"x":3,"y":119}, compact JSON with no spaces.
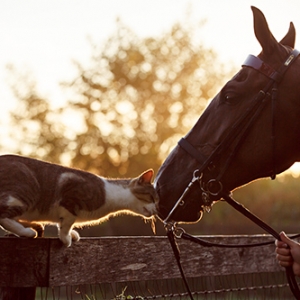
{"x":35,"y":128}
{"x":133,"y":102}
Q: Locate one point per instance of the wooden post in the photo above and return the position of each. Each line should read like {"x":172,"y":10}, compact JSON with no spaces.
{"x":19,"y":293}
{"x":9,"y":293}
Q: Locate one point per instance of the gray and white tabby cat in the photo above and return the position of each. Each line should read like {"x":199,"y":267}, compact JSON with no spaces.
{"x":34,"y":193}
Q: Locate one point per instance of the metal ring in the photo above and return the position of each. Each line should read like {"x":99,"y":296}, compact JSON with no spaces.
{"x":178,"y":232}
{"x":212,"y":181}
{"x":195,"y":173}
{"x":169,"y":225}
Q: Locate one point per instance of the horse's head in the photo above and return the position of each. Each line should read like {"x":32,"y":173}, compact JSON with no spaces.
{"x":251,"y":129}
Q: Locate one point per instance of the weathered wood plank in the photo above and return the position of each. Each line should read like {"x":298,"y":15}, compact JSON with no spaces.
{"x":46,"y":262}
{"x":216,"y":261}
{"x":105,"y":259}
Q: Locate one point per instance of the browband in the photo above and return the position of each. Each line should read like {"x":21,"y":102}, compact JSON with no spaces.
{"x":257,"y":64}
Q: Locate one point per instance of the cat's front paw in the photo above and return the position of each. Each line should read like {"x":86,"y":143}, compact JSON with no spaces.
{"x":75,"y":236}
{"x":66,"y":239}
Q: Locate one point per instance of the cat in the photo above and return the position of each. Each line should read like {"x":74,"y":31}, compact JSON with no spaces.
{"x":34,"y":193}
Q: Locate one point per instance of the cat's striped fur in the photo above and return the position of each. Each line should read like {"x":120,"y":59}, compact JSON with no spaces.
{"x":34,"y":193}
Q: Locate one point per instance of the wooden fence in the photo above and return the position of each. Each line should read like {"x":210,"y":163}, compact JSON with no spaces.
{"x":45,"y":262}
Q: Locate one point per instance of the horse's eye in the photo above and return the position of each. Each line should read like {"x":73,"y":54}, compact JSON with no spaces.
{"x":228,"y":94}
{"x":230,"y":98}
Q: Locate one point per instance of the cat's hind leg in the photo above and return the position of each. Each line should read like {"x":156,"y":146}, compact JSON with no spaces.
{"x":39,"y":228}
{"x":66,"y":222}
{"x":10,"y":209}
{"x":17,"y":228}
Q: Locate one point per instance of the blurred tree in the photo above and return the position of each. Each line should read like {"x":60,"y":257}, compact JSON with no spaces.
{"x":36,"y":130}
{"x":136,"y":99}
{"x":139,"y":96}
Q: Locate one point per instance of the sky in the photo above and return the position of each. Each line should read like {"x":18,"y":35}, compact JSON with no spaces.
{"x":45,"y":37}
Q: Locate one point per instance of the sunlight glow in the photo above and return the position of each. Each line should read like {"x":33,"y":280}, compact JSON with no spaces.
{"x":46,"y":36}
{"x":294,"y":170}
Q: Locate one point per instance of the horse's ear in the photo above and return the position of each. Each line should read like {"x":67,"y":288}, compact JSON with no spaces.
{"x":289,"y":39}
{"x":262,"y":31}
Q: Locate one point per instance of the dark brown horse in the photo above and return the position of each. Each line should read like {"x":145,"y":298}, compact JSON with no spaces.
{"x":250,"y":130}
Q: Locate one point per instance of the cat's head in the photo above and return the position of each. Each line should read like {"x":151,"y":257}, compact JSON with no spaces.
{"x":145,"y":194}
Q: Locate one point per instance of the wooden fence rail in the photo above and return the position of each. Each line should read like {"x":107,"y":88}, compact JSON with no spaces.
{"x":45,"y":262}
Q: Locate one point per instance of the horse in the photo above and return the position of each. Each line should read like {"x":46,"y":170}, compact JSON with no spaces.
{"x":250,"y":130}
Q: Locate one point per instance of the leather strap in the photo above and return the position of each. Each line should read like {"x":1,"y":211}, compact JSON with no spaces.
{"x":192,"y":150}
{"x":257,"y":64}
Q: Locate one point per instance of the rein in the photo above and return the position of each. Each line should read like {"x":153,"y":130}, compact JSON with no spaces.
{"x":235,"y":137}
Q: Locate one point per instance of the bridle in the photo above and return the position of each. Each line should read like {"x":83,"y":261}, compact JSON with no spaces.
{"x":212,"y":188}
{"x":236,"y":134}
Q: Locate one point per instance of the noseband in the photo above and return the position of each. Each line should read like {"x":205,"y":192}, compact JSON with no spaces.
{"x":236,"y":135}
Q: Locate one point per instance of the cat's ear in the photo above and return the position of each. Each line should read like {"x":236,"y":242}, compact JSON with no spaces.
{"x":146,"y":177}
